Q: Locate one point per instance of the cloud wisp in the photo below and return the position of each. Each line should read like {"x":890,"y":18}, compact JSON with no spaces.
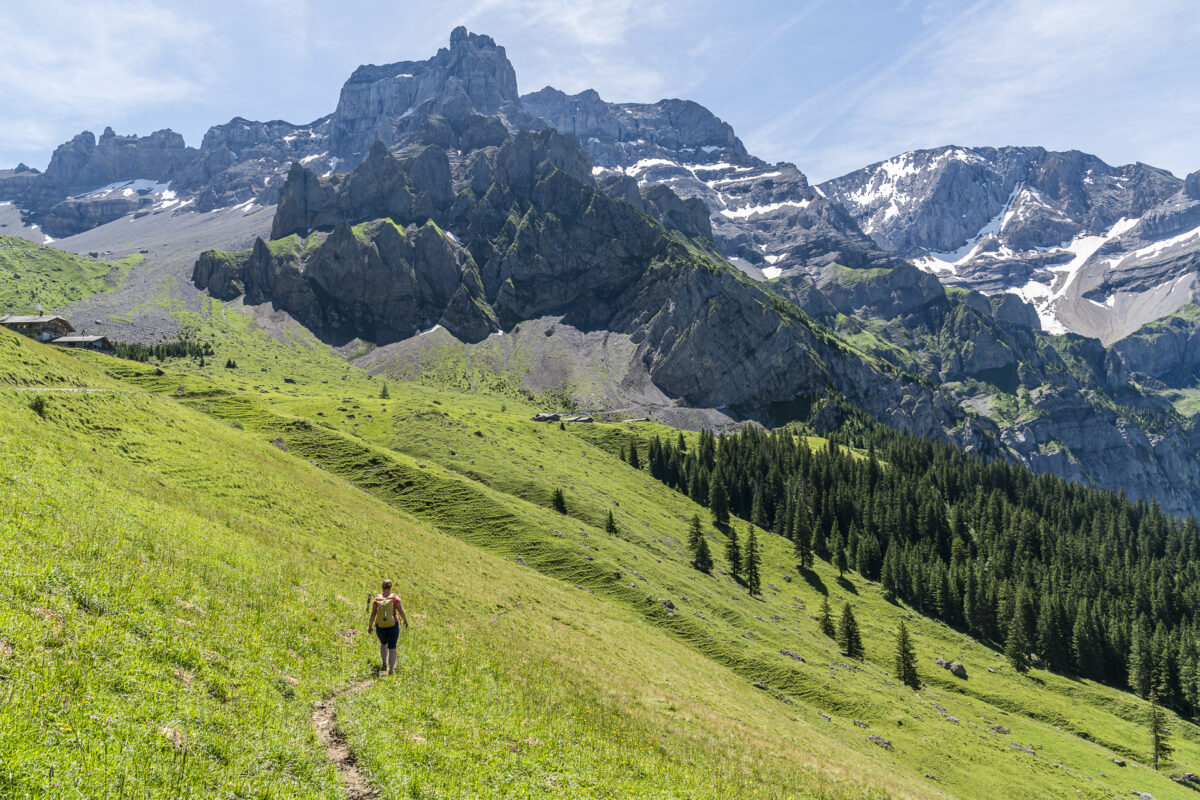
{"x":1057,"y":74}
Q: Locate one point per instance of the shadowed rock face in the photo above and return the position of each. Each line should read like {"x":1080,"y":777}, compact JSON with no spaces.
{"x":762,"y":216}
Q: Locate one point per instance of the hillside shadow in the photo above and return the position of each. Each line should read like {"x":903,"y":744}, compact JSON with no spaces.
{"x":814,"y":580}
{"x":845,"y":583}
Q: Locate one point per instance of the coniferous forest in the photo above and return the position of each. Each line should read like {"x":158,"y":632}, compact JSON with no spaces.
{"x":1059,"y":576}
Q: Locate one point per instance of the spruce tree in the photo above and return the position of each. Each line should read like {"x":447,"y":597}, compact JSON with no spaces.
{"x":1160,"y":746}
{"x":384,"y":394}
{"x":733,"y":554}
{"x":802,"y":538}
{"x":906,"y":659}
{"x":718,"y":502}
{"x":758,"y":514}
{"x":1141,"y":658}
{"x":753,"y":559}
{"x":1016,"y":646}
{"x":560,"y":501}
{"x":634,"y":461}
{"x":839,"y":556}
{"x":611,"y":525}
{"x":826,"y":619}
{"x":848,"y":634}
{"x":821,"y":543}
{"x":698,"y":544}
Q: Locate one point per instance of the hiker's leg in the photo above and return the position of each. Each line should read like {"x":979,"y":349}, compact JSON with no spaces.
{"x":391,"y":659}
{"x":383,"y":656}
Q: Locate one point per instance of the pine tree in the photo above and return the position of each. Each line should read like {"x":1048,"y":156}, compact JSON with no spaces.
{"x":611,"y":525}
{"x":634,"y":461}
{"x":698,"y":544}
{"x":1016,"y":647}
{"x":802,"y":539}
{"x":906,"y":659}
{"x":560,"y":501}
{"x":839,"y":556}
{"x":384,"y":394}
{"x":826,"y":619}
{"x":753,"y":559}
{"x":848,"y":634}
{"x":758,"y":514}
{"x":718,"y":502}
{"x":733,"y":554}
{"x":821,"y":543}
{"x":1160,"y":746}
{"x":1141,"y":659}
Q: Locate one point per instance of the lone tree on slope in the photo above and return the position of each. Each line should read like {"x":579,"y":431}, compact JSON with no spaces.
{"x":906,"y":659}
{"x":1160,"y":747}
{"x":753,"y":559}
{"x":826,"y":620}
{"x":701,"y":555}
{"x":560,"y":501}
{"x":848,"y":634}
{"x":733,"y":554}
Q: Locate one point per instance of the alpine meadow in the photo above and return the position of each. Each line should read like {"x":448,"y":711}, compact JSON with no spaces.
{"x":464,"y":443}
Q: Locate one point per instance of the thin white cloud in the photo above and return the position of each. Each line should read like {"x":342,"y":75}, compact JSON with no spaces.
{"x":1061,"y":74}
{"x":110,"y":57}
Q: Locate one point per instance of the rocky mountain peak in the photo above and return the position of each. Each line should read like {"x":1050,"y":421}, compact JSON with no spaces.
{"x":1192,"y":185}
{"x":472,"y":76}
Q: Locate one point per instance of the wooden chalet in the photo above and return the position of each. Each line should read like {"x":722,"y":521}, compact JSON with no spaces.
{"x":44,"y":328}
{"x":84,"y":342}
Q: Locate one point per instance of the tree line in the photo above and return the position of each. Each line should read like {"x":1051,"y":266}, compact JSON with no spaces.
{"x":182,"y":348}
{"x":1061,"y":576}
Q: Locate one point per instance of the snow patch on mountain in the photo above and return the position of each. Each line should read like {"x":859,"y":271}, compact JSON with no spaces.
{"x":1045,"y":295}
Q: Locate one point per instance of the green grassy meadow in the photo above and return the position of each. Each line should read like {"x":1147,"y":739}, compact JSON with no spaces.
{"x":186,"y":558}
{"x":34,"y":276}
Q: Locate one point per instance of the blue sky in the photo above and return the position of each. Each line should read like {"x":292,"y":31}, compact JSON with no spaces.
{"x":830,"y":85}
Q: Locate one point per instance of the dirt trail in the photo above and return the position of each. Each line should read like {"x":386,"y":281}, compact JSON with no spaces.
{"x":324,"y":720}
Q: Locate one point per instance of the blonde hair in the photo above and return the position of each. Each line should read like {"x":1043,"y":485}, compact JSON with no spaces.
{"x":387,"y":584}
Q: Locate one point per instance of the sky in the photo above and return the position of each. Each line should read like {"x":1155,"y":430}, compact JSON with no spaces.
{"x":830,"y":85}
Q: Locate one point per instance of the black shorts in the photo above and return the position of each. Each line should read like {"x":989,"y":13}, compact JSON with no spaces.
{"x":388,"y":636}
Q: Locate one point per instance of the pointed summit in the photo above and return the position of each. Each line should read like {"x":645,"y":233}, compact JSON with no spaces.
{"x":389,"y":102}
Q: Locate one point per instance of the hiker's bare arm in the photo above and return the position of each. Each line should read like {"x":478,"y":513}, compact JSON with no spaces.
{"x":371,"y":620}
{"x":400,"y":610}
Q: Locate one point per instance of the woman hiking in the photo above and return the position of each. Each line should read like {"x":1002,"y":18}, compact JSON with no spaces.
{"x":385,"y":607}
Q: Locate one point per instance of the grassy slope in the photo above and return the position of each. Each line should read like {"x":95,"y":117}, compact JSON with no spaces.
{"x":178,"y":592}
{"x":34,"y":276}
{"x":491,"y":490}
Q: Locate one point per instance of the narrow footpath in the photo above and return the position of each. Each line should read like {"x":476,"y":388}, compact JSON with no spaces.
{"x":324,"y":721}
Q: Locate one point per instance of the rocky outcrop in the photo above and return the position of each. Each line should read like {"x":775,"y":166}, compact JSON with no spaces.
{"x":85,"y":162}
{"x":378,"y":282}
{"x":390,"y":102}
{"x":1192,"y":185}
{"x":413,"y":189}
{"x":1166,"y":352}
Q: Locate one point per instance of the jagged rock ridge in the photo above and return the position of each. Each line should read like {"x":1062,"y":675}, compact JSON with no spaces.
{"x":1098,"y":249}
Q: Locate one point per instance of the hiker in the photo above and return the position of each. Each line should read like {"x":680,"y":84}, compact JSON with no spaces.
{"x":384,"y":608}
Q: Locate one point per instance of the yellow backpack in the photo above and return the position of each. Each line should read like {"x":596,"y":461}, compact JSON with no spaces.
{"x":385,"y":612}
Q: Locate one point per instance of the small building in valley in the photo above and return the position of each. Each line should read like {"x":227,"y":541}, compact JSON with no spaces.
{"x":84,"y":342}
{"x":44,"y":328}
